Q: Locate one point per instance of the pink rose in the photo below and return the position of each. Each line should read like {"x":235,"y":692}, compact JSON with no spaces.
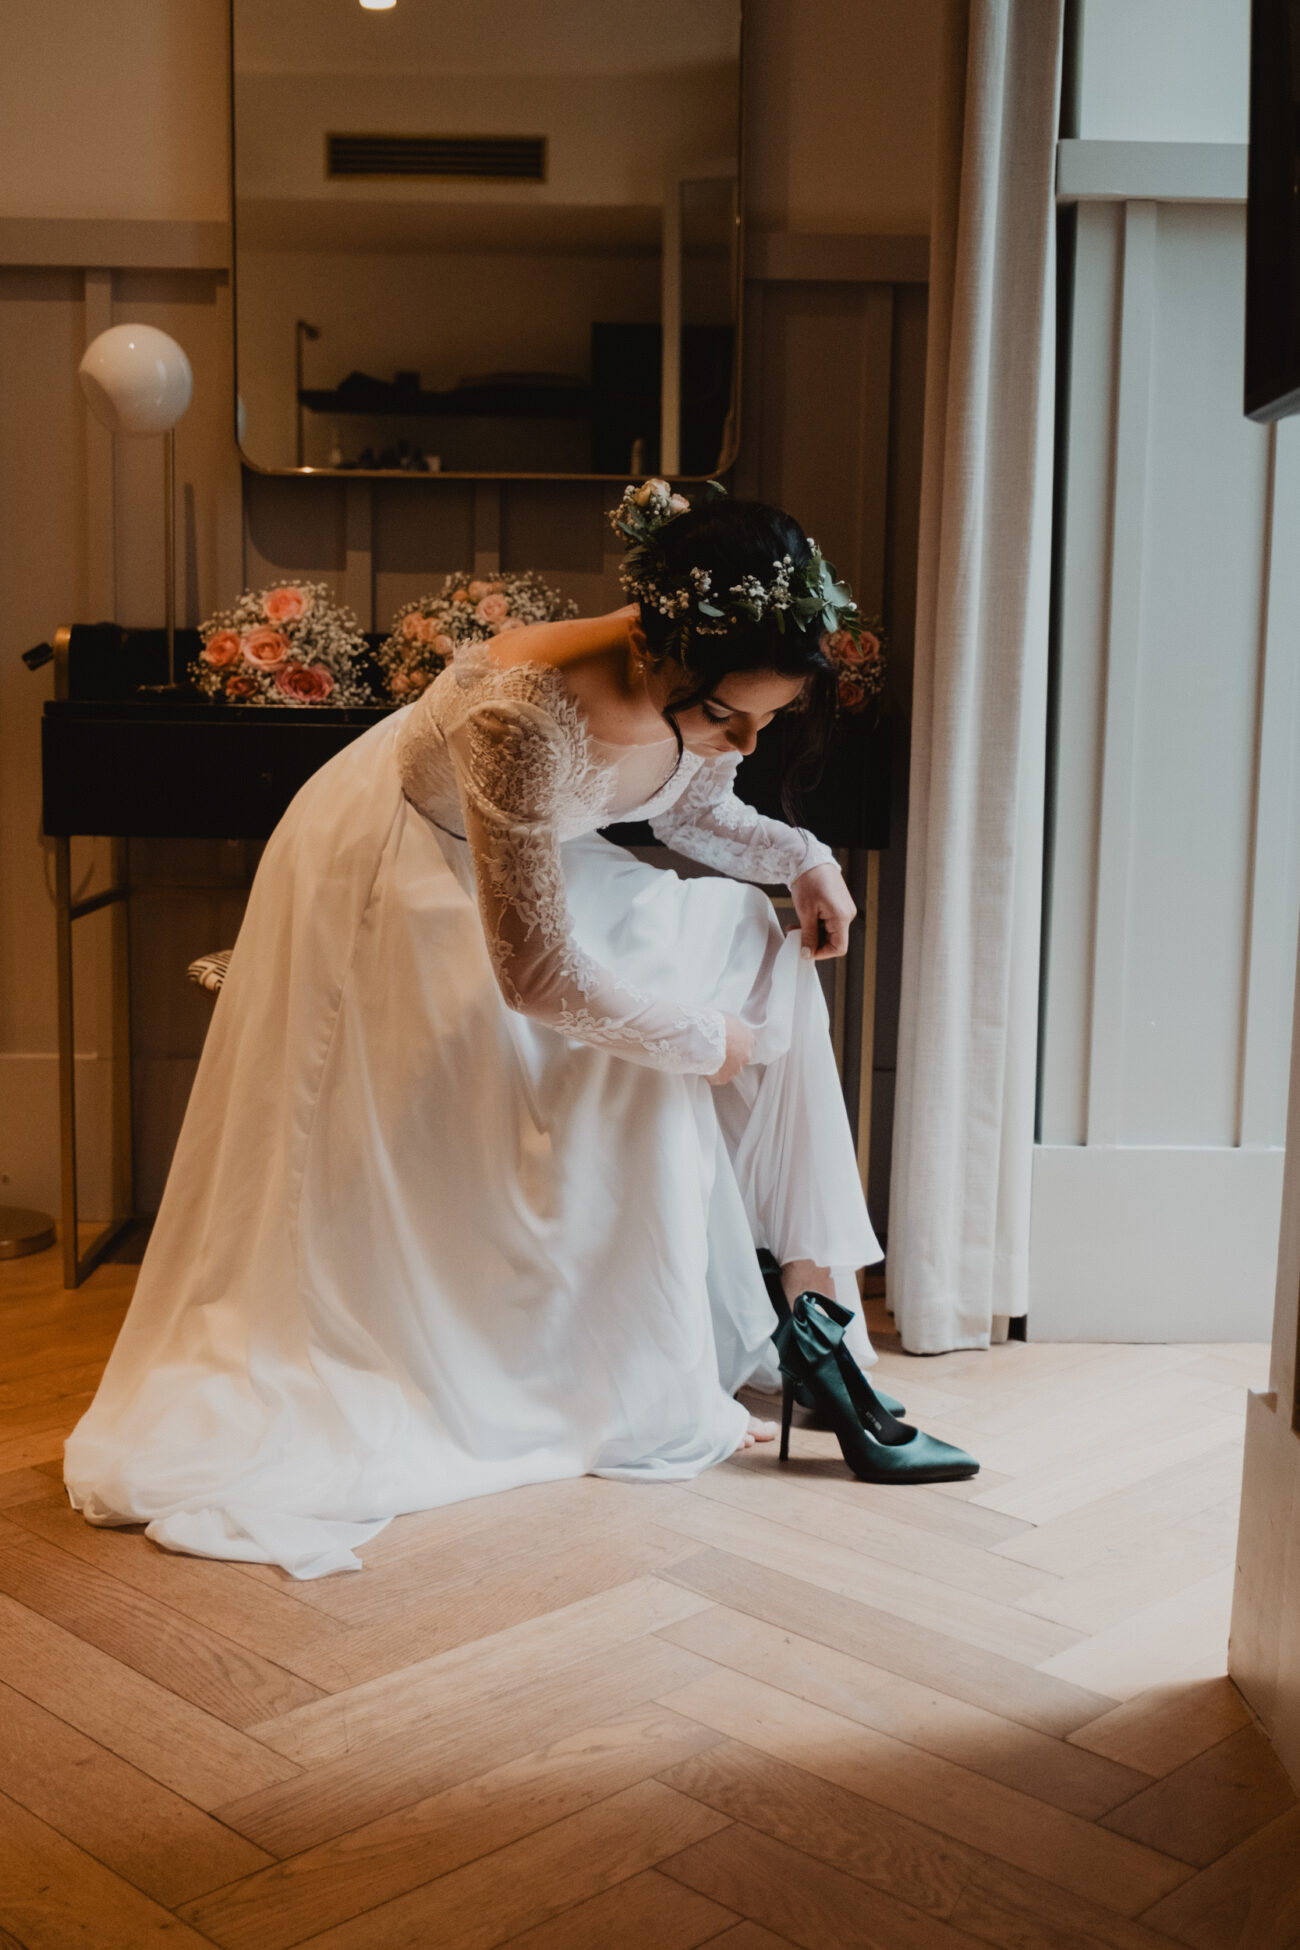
{"x":265,"y":649}
{"x":444,"y":647}
{"x":285,"y":605}
{"x":241,"y":684}
{"x":493,"y":608}
{"x":417,"y":628}
{"x":852,"y":694}
{"x":479,"y":588}
{"x":841,"y":648}
{"x":304,"y":683}
{"x":460,"y":596}
{"x":221,"y":648}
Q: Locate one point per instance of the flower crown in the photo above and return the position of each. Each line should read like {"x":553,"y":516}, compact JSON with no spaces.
{"x":809,"y":596}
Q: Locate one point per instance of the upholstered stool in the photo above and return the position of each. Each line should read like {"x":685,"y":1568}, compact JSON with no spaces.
{"x":209,"y":971}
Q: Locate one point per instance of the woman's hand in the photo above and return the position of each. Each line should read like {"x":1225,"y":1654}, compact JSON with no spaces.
{"x":740,"y":1047}
{"x":825,"y":909}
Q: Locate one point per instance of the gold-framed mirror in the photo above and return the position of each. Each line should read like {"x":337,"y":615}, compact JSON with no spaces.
{"x":499,"y":239}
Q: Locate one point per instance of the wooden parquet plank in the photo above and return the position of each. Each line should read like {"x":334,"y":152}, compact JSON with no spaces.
{"x":1212,"y":1803}
{"x":1071,"y":1485}
{"x":916,"y":1598}
{"x":1126,"y":1580}
{"x":194,"y":1663}
{"x":982,"y":1814}
{"x":143,"y":1832}
{"x":949,"y":1665}
{"x":54,"y":1895}
{"x":1017,"y":1911}
{"x":321,"y":1887}
{"x":883,"y":1537}
{"x":453,"y":1546}
{"x":264,"y":1620}
{"x":805,"y":1901}
{"x":340,"y":1725}
{"x":1164,"y":1726}
{"x":748,"y":1936}
{"x":1133,"y":1514}
{"x":23,"y":1486}
{"x":647,"y":1912}
{"x":527,"y":1586}
{"x":984,"y":1742}
{"x":531,"y":1880}
{"x":1248,"y":1900}
{"x":1161,"y":1728}
{"x":57,"y":1382}
{"x":925,"y":1511}
{"x":887,"y":1851}
{"x":465,"y":1739}
{"x":187,"y":1750}
{"x":1157,"y":1643}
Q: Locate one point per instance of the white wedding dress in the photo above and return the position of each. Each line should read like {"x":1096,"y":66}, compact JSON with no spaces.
{"x":454,"y":1208}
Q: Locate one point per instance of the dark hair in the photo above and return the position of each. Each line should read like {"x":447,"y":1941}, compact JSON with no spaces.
{"x":732,"y":540}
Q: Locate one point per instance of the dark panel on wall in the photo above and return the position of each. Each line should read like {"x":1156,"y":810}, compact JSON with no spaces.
{"x":422,"y":526}
{"x":556,"y":525}
{"x":294,"y":527}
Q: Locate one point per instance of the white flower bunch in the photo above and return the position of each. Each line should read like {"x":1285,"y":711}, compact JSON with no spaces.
{"x":427,"y":633}
{"x":289,"y":644}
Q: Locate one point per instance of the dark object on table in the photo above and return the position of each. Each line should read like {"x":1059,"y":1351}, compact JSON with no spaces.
{"x":106,"y":661}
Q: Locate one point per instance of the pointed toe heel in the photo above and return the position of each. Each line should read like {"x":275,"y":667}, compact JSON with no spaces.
{"x":877,"y":1447}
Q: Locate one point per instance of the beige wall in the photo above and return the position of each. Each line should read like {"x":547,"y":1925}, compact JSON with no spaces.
{"x":114,"y":108}
{"x":117,"y":109}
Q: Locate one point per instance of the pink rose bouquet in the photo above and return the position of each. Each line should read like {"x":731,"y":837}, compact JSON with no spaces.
{"x":427,"y":633}
{"x":291,"y":644}
{"x":859,"y":660}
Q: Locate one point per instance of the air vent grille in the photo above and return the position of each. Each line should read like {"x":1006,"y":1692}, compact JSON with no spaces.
{"x":518,"y":158}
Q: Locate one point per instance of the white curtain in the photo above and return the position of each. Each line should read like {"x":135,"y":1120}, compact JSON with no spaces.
{"x":964,"y":1119}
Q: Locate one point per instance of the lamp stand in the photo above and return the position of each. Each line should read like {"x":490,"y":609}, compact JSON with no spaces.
{"x":169,"y":548}
{"x":172,"y":686}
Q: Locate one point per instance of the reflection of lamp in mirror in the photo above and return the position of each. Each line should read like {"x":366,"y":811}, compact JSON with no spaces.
{"x":301,"y":332}
{"x":138,"y":381}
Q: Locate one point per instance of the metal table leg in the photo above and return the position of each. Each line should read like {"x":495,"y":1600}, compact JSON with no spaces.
{"x":76,"y":1264}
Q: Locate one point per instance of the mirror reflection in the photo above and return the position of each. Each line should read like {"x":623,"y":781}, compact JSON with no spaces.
{"x":491,"y":239}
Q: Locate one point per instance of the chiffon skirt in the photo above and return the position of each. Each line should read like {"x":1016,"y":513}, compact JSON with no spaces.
{"x":414,"y":1247}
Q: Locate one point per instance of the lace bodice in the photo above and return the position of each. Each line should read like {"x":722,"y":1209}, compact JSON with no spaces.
{"x":499,"y":755}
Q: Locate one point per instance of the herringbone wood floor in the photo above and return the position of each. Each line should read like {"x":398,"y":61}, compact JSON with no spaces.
{"x":771,"y":1707}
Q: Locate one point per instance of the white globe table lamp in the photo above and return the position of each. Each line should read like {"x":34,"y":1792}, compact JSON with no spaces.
{"x":138,"y":381}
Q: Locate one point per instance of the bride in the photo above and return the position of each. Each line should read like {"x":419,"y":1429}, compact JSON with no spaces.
{"x":491,"y":1115}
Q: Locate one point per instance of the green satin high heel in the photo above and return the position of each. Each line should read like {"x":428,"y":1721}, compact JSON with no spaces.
{"x":877,"y":1447}
{"x":781,"y":1308}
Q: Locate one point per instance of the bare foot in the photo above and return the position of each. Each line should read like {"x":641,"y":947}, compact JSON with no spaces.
{"x":758,"y":1432}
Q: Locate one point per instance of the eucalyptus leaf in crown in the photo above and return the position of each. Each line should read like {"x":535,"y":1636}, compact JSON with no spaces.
{"x":290,"y":644}
{"x":808,"y":596}
{"x":427,"y":633}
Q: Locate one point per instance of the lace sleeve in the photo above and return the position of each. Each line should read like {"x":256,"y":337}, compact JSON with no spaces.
{"x":710,"y":824}
{"x":513,"y":760}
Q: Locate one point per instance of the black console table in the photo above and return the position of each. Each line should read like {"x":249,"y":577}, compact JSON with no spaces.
{"x":141,"y":766}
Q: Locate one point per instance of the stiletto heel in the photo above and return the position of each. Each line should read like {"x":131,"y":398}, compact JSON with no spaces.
{"x":877,"y":1447}
{"x":781,"y":1307}
{"x":787,"y":1411}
